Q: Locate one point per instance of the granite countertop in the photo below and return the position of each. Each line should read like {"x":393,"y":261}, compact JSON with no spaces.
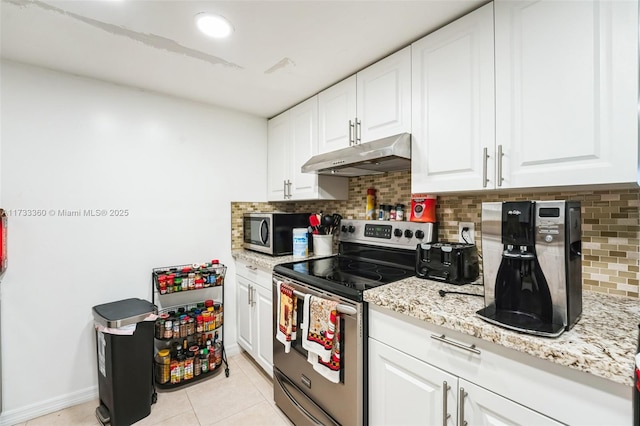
{"x":603,"y":341}
{"x":264,"y":260}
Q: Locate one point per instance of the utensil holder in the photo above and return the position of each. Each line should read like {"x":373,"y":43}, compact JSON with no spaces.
{"x":322,"y":245}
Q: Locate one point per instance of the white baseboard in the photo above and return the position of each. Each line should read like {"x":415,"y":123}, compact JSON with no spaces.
{"x":19,"y":415}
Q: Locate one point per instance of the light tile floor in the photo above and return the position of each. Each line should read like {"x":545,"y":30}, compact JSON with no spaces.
{"x":244,"y":398}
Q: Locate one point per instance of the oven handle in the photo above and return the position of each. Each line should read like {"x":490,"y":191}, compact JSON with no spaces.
{"x":343,"y":309}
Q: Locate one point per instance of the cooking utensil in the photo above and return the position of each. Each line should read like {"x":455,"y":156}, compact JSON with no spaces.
{"x":327,"y":221}
{"x":314,"y":221}
{"x":336,"y":221}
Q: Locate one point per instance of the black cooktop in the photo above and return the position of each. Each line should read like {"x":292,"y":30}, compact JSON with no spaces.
{"x":344,"y":275}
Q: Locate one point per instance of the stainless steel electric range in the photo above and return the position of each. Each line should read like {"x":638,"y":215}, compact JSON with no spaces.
{"x":370,"y":254}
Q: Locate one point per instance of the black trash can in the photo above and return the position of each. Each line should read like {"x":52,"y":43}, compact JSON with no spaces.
{"x":125,"y":362}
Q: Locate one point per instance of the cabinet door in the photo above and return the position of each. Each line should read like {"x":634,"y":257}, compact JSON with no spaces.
{"x":384,"y":97}
{"x":246,"y":322}
{"x":278,"y":147}
{"x":406,"y":391}
{"x":482,"y":407}
{"x":304,"y":144}
{"x":453,"y":106}
{"x":263,"y":305}
{"x":566,"y":91}
{"x":336,"y":109}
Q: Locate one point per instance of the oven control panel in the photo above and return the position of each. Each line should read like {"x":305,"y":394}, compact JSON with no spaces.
{"x":387,"y":233}
{"x":377,"y":231}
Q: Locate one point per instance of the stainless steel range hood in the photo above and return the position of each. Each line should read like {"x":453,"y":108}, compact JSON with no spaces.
{"x":390,"y":154}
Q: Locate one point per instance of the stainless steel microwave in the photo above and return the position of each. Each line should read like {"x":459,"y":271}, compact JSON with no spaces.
{"x":272,"y":233}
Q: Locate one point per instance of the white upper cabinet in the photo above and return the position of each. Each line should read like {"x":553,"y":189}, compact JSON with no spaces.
{"x":567,"y":92}
{"x":384,"y":97}
{"x":337,"y":114}
{"x":373,"y":104}
{"x":293,"y":139}
{"x":453,"y":106}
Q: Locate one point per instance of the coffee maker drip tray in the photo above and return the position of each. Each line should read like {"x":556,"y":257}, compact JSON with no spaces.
{"x":520,"y":321}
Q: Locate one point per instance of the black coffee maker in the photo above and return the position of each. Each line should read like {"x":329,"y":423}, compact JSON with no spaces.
{"x":532,"y":265}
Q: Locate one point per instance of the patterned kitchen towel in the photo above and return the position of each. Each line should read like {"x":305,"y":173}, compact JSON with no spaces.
{"x":287,"y":306}
{"x":330,"y":370}
{"x":319,"y":318}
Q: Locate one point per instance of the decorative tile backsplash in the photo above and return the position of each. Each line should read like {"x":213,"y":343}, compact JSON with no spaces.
{"x":610,"y":222}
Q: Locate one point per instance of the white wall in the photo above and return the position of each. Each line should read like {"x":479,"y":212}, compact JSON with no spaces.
{"x":75,"y":143}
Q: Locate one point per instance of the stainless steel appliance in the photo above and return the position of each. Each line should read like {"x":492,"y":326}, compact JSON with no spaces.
{"x":390,"y":154}
{"x":453,"y":263}
{"x":272,"y":233}
{"x":371,"y":253}
{"x":532,"y":265}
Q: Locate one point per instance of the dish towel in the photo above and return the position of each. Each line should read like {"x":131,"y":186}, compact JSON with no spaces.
{"x":287,"y":308}
{"x":321,"y":336}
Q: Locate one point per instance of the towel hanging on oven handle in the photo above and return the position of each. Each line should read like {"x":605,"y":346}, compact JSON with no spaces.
{"x":343,"y":309}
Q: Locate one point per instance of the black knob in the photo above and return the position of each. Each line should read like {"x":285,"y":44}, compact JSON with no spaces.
{"x":419,"y":234}
{"x":408,"y":233}
{"x":352,"y":229}
{"x":344,"y":228}
{"x":397,"y":232}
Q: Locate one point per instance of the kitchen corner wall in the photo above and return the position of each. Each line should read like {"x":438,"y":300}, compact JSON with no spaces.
{"x":610,"y":222}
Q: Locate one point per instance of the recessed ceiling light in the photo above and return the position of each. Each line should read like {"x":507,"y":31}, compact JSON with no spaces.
{"x":213,"y":25}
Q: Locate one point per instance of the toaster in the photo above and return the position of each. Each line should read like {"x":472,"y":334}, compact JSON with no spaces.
{"x":453,"y":263}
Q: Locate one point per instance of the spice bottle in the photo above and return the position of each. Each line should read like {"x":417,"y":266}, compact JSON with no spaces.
{"x":371,"y":204}
{"x":163,"y":367}
{"x":399,"y":211}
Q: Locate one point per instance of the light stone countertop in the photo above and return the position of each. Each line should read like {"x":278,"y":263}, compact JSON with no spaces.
{"x":603,"y":341}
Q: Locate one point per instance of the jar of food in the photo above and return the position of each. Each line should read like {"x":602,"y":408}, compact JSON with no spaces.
{"x":176,"y":328}
{"x":168,"y":329}
{"x":381,"y":212}
{"x":387,"y":211}
{"x":212,"y":359}
{"x":183,"y":326}
{"x":199,"y":324}
{"x":392,"y":213}
{"x":191,"y":326}
{"x":159,"y":329}
{"x":199,"y":283}
{"x":204,"y":360}
{"x":205,"y":278}
{"x":188,"y":366}
{"x":163,"y":367}
{"x":399,"y":211}
{"x":197,"y":367}
{"x":218,"y":352}
{"x":175,"y":372}
{"x":177,"y":284}
{"x":181,"y":359}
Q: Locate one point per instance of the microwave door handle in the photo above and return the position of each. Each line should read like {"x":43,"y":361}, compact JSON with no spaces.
{"x":263,"y":225}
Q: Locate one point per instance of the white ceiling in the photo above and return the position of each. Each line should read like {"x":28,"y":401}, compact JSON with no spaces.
{"x":281,"y":52}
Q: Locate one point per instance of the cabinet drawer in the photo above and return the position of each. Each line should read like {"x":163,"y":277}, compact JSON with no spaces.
{"x":541,"y":385}
{"x":254,"y":273}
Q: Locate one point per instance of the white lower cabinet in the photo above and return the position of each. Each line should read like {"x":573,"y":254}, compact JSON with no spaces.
{"x":424,"y":374}
{"x":255,"y":313}
{"x":405,"y":390}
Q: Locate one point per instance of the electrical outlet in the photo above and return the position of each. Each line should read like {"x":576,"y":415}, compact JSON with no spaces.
{"x":466,"y":236}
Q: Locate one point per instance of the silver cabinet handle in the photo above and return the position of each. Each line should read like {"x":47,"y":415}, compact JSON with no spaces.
{"x":442,"y":338}
{"x":500,"y":155}
{"x":351,"y":132}
{"x":445,"y":415}
{"x":289,"y":186}
{"x":358,"y":131}
{"x":461,"y":420}
{"x":249,"y":295}
{"x":284,"y":188}
{"x":485,"y":157}
{"x":251,"y":267}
